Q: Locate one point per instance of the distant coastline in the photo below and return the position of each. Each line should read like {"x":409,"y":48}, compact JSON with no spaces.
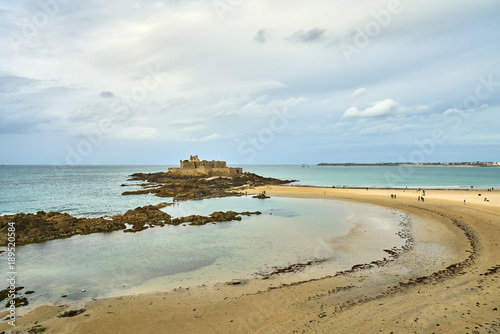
{"x":444,"y":164}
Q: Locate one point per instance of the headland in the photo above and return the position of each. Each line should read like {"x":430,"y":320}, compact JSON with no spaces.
{"x":444,"y":164}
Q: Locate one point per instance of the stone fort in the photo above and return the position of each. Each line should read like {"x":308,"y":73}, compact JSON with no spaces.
{"x":194,"y":166}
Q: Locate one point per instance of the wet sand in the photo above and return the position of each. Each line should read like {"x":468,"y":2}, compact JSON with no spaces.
{"x":449,"y":281}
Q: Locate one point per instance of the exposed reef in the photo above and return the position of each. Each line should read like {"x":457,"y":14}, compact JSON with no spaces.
{"x":187,"y":187}
{"x":218,"y":216}
{"x":71,"y":313}
{"x":293,"y":268}
{"x":42,"y":226}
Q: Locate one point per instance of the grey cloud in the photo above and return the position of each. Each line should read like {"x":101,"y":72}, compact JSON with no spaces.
{"x":414,"y":60}
{"x":10,"y":83}
{"x":303,"y":36}
{"x":107,"y":95}
{"x":262,"y":36}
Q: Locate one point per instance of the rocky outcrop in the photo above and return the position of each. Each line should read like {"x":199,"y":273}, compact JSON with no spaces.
{"x":40,"y":227}
{"x":139,"y":217}
{"x":71,"y":313}
{"x":188,"y":187}
{"x":218,"y":216}
{"x":261,"y":196}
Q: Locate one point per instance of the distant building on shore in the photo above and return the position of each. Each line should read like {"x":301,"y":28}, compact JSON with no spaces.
{"x":194,"y":166}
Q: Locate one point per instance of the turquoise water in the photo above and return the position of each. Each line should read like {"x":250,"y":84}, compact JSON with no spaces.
{"x":289,"y":231}
{"x":385,"y":176}
{"x":79,"y":191}
{"x":96,"y":190}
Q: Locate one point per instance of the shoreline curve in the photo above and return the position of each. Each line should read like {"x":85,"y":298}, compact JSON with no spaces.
{"x":462,"y":296}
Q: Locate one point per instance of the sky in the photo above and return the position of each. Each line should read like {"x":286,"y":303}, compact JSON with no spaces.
{"x":249,"y":82}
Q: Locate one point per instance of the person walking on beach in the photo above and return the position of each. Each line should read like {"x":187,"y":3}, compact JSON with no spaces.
{"x":419,"y":198}
{"x":422,"y":199}
{"x":464,"y":202}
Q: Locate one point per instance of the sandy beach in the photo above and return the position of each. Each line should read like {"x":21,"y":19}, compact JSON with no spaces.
{"x":447,"y":282}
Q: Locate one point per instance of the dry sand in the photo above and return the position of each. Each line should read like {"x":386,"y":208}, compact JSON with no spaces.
{"x":449,"y":282}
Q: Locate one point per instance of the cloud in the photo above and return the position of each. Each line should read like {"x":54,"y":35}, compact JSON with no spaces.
{"x":11,"y":83}
{"x":240,"y":73}
{"x":107,"y":95}
{"x":262,"y":36}
{"x":385,"y":107}
{"x":383,"y":129}
{"x":358,"y":92}
{"x":452,"y":111}
{"x":313,"y":35}
{"x":211,"y":137}
{"x":380,"y":108}
{"x":136,"y":132}
{"x":341,"y":124}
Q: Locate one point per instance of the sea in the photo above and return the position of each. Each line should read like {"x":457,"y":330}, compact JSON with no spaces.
{"x":289,"y":230}
{"x":95,"y":191}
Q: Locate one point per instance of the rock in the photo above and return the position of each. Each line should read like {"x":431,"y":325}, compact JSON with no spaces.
{"x":261,"y":196}
{"x":5,"y":292}
{"x":54,"y":225}
{"x":71,"y":313}
{"x":217,"y":216}
{"x":18,"y":302}
{"x":188,"y":187}
{"x":39,"y":227}
{"x":141,"y":215}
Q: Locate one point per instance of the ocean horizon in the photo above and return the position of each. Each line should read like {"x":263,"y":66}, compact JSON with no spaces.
{"x":95,"y":190}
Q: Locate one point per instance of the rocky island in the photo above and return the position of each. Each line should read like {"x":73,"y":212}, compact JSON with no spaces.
{"x":197,"y":179}
{"x":194,"y":179}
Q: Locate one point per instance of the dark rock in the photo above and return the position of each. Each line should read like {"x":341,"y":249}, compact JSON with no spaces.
{"x":71,"y":313}
{"x":188,"y":187}
{"x":18,"y":302}
{"x":54,"y":225}
{"x":39,"y":227}
{"x":296,"y":267}
{"x":5,"y":292}
{"x":218,"y":216}
{"x":140,"y":216}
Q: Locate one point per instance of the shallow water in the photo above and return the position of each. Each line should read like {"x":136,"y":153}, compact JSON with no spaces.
{"x":290,"y":230}
{"x":96,"y":190}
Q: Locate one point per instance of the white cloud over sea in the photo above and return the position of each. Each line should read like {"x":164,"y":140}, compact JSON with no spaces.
{"x":290,"y":81}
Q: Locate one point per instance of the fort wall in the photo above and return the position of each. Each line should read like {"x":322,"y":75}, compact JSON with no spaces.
{"x":206,"y":170}
{"x":194,"y":166}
